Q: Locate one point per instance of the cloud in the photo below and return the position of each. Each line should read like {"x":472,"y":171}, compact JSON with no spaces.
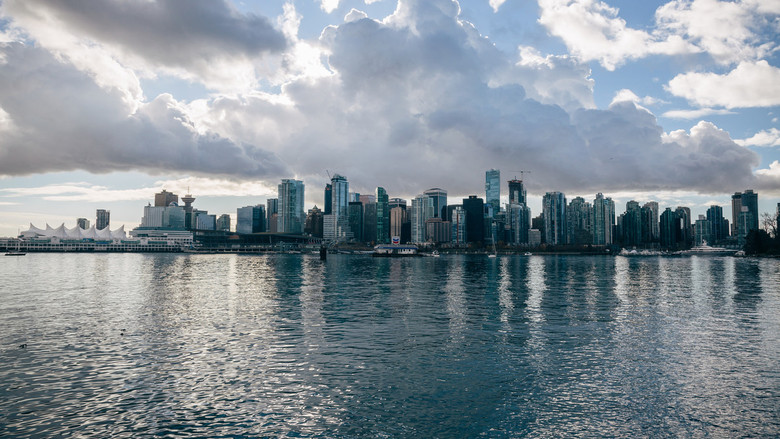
{"x":729,"y":31}
{"x":750,"y":84}
{"x":194,"y":38}
{"x":770,"y":137}
{"x":87,"y":192}
{"x":419,"y":99}
{"x":626,"y":95}
{"x":593,"y":31}
{"x":695,"y":114}
{"x":62,"y":120}
{"x":496,"y":4}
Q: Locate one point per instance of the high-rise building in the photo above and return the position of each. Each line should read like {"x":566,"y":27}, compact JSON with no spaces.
{"x":165,"y":198}
{"x":382,"y":217}
{"x":493,"y":190}
{"x":744,"y":213}
{"x":272,"y":215}
{"x":457,"y":218}
{"x":314,"y":222}
{"x":684,"y":227}
{"x":204,"y":221}
{"x":554,"y":214}
{"x":82,"y":222}
{"x":337,"y":228}
{"x":396,"y":202}
{"x":702,"y":231}
{"x":103,"y":219}
{"x":328,"y":199}
{"x":435,"y":202}
{"x":369,"y":220}
{"x":398,"y":218}
{"x":250,"y":219}
{"x":579,"y":222}
{"x":650,"y":222}
{"x":517,"y":192}
{"x":475,"y":218}
{"x":720,"y":229}
{"x":291,"y":196}
{"x":631,"y":225}
{"x":518,"y":222}
{"x":417,"y":219}
{"x":355,"y":212}
{"x":603,"y":220}
{"x":668,"y":229}
{"x":223,"y":223}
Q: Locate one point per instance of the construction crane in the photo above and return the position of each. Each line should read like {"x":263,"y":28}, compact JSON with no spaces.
{"x":328,"y":172}
{"x":521,"y":174}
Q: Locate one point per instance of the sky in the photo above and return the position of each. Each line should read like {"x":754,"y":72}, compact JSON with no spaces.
{"x":102,"y":104}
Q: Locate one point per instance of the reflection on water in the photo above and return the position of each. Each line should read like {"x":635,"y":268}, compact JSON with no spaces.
{"x":125,"y":345}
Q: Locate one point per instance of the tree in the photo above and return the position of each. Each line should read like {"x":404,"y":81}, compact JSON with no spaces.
{"x":769,"y":224}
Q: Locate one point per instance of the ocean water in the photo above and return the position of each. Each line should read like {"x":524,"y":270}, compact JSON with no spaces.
{"x":134,"y":345}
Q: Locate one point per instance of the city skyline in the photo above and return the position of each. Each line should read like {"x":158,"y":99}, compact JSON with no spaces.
{"x":639,"y":101}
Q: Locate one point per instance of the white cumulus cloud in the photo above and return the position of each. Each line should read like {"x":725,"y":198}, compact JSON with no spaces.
{"x":750,"y":84}
{"x":770,"y":137}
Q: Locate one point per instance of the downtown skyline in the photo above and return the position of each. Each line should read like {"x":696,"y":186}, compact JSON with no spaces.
{"x":644,"y":102}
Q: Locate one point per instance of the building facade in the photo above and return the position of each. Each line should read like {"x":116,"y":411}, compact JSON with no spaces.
{"x":290,"y":217}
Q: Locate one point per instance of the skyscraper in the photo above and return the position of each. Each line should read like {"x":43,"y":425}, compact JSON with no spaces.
{"x":314,"y":222}
{"x":518,"y":222}
{"x":382,"y":216}
{"x":272,"y":215}
{"x":355,"y":212}
{"x":493,"y":189}
{"x":82,"y":223}
{"x":435,"y":201}
{"x":291,"y":196}
{"x":328,"y":199}
{"x":417,"y":218}
{"x":554,"y":214}
{"x":684,"y":228}
{"x":632,"y":225}
{"x":336,"y":224}
{"x":517,"y":192}
{"x":579,"y":222}
{"x":475,"y":218}
{"x":165,"y":198}
{"x":398,"y":219}
{"x":103,"y":219}
{"x":223,"y":223}
{"x":603,"y":220}
{"x":718,"y":223}
{"x":744,"y":213}
{"x":668,"y":229}
{"x":457,"y":218}
{"x":250,"y":219}
{"x":650,"y":222}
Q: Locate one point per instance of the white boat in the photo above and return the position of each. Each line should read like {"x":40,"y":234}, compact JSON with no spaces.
{"x":527,"y":254}
{"x":706,"y":250}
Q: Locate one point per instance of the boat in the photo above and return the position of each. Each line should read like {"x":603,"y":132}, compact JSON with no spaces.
{"x":435,"y":254}
{"x":706,"y":250}
{"x":394,"y":250}
{"x":495,"y":253}
{"x":527,"y":254}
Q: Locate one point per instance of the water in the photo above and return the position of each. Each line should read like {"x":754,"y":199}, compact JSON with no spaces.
{"x":133,"y":345}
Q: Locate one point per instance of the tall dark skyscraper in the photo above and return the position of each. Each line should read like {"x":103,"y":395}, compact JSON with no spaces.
{"x":720,"y":229}
{"x":744,"y":213}
{"x":517,"y":192}
{"x":103,"y":219}
{"x":328,"y":199}
{"x":272,"y":214}
{"x":475,"y":218}
{"x":554,"y":214}
{"x":382,"y":216}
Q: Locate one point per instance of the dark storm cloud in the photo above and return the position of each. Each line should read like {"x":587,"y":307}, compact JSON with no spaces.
{"x":176,"y":33}
{"x":61,"y":120}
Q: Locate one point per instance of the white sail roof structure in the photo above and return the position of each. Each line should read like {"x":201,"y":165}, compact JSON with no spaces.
{"x":77,"y":232}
